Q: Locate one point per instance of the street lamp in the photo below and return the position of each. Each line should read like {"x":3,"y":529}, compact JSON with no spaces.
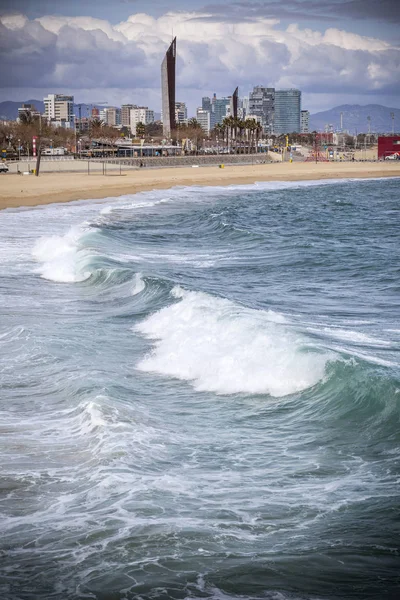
{"x":392,"y":116}
{"x":152,"y":148}
{"x":19,"y":149}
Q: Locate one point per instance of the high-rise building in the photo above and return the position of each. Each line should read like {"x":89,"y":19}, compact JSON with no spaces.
{"x":204,"y":118}
{"x":206,"y":103}
{"x":126,"y":114}
{"x":220,"y":108}
{"x":59,"y":110}
{"x":244,"y":106}
{"x":168,"y":82}
{"x":304,"y":121}
{"x":262,"y":103}
{"x":181,"y":116}
{"x":141,"y":114}
{"x":95,"y":113}
{"x":287,"y":111}
{"x":112,"y":116}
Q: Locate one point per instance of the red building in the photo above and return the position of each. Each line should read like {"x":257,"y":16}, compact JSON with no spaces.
{"x":388,"y":145}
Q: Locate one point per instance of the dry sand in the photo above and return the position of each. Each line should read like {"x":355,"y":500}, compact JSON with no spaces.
{"x":24,"y":190}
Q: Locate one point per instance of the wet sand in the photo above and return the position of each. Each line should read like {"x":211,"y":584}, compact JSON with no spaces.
{"x":24,"y":190}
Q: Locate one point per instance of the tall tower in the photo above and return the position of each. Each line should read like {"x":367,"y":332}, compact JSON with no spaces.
{"x":234,"y":103}
{"x":168,"y":77}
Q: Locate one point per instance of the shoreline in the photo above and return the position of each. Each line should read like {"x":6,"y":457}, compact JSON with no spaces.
{"x":24,"y":191}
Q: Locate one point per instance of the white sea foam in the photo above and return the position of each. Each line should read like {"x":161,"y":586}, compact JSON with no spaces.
{"x":58,"y":257}
{"x":222,"y":347}
{"x":357,"y":337}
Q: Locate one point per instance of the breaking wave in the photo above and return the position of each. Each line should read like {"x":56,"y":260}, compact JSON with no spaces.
{"x":222,"y":347}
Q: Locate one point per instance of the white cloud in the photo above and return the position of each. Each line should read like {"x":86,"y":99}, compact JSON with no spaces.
{"x":83,"y":53}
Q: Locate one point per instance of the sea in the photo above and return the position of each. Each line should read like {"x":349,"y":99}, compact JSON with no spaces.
{"x":200,"y":394}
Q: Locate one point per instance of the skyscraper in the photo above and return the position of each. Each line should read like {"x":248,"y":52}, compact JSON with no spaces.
{"x":221,"y":107}
{"x":168,"y":69}
{"x":261,"y":104}
{"x":287,"y":111}
{"x":206,"y":103}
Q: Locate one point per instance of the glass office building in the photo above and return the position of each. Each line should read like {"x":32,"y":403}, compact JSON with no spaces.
{"x":221,"y":108}
{"x":287,"y":111}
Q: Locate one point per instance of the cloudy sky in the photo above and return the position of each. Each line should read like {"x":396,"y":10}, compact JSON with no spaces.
{"x":335,"y":51}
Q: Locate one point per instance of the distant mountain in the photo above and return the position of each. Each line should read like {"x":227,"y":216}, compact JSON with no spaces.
{"x":9,"y":110}
{"x":355,"y":118}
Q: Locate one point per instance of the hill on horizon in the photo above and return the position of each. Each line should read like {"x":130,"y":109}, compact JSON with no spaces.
{"x":355,"y":118}
{"x":9,"y":109}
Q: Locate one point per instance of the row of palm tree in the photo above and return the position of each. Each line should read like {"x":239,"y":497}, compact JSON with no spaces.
{"x":239,"y":133}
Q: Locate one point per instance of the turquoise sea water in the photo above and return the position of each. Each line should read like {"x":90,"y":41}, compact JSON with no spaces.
{"x":200,"y":395}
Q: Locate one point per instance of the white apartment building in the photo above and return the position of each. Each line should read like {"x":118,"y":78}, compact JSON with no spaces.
{"x":111,"y":116}
{"x":181,"y":117}
{"x":204,"y":119}
{"x":59,"y":110}
{"x":126,"y":114}
{"x":141,"y":114}
{"x":304,"y":121}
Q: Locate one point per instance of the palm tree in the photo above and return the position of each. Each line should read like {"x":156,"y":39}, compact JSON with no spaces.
{"x":241,"y":127}
{"x":194,"y":124}
{"x":95,"y":127}
{"x":251,"y":126}
{"x":258,"y":131}
{"x":140,"y":130}
{"x":229,"y":123}
{"x":219,"y":132}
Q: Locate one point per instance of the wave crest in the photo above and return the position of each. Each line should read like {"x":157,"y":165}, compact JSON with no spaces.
{"x":224,"y":348}
{"x":59,"y":257}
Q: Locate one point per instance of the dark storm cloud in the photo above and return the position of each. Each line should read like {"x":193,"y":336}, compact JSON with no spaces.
{"x":54,"y":53}
{"x":308,"y":10}
{"x":32,"y":56}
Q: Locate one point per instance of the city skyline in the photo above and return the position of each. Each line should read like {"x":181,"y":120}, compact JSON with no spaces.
{"x":118,"y":61}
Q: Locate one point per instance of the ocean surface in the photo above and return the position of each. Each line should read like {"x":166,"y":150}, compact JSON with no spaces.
{"x":200,"y":395}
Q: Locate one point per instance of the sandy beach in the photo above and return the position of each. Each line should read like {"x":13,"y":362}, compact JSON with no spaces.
{"x":17,"y":190}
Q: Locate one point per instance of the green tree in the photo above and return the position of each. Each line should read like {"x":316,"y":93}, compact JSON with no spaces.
{"x":140,"y":130}
{"x":194,"y":124}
